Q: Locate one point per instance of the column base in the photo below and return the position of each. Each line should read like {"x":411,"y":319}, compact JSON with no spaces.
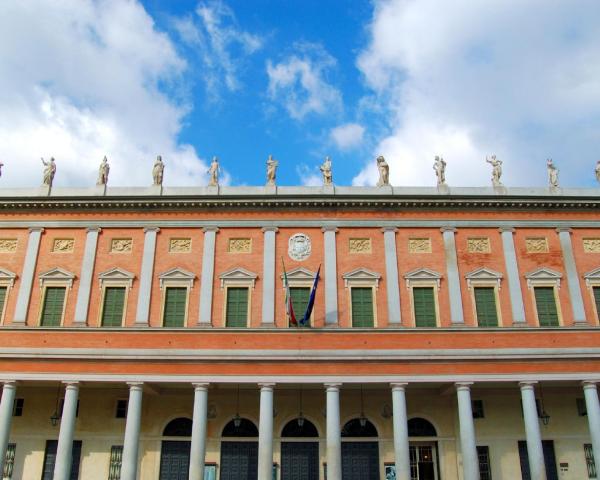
{"x":79,"y":324}
{"x":458,"y":325}
{"x":267,"y":325}
{"x":581,"y":323}
{"x":519,"y":324}
{"x":203,"y":325}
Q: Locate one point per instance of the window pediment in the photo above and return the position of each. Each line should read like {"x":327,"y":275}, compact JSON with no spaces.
{"x":422,"y":275}
{"x":178,"y":275}
{"x":361,"y":276}
{"x":543,"y":276}
{"x":592,"y":277}
{"x":57,"y":275}
{"x":7,"y":277}
{"x":483,"y":275}
{"x":238,"y":276}
{"x":299,"y":275}
{"x":116,"y":275}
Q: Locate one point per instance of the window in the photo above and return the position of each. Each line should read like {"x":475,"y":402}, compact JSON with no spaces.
{"x":18,"y":407}
{"x":237,"y":307}
{"x":3,"y":291}
{"x":300,"y":296}
{"x":175,"y":307}
{"x":54,"y":302}
{"x":581,"y":407}
{"x":300,"y":281}
{"x":362,"y":306}
{"x":485,"y":306}
{"x":113,"y":307}
{"x":545,"y":303}
{"x":116,"y":458}
{"x":424,"y":307}
{"x":9,"y":461}
{"x":485,"y":472}
{"x":61,"y":405}
{"x":50,"y":460}
{"x":589,"y":460}
{"x":477,"y":407}
{"x":596,"y":293}
{"x":7,"y":279}
{"x":121,"y":410}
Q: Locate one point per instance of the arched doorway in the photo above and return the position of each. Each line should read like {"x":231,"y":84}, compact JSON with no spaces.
{"x":239,"y":456}
{"x":299,"y":454}
{"x":360,"y":450}
{"x":175,"y":454}
{"x":423,"y":454}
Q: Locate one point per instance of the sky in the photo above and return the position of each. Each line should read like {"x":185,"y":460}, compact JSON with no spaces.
{"x":299,"y":80}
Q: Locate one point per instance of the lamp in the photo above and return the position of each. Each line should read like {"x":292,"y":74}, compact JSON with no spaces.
{"x":237,"y":420}
{"x":362,"y":419}
{"x":543,"y":414}
{"x":300,"y":415}
{"x":55,"y":417}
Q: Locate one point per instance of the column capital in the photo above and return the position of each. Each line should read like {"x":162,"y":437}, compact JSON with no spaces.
{"x":564,"y":229}
{"x":93,"y":229}
{"x":269,"y":229}
{"x":211,"y":229}
{"x":36,"y":229}
{"x":266,"y":386}
{"x":389,"y":229}
{"x":70,"y":383}
{"x":506,"y":229}
{"x":329,"y":228}
{"x":9,"y":383}
{"x":463,"y":385}
{"x":528,"y":385}
{"x":332,"y":386}
{"x":135,"y":385}
{"x":398,"y":386}
{"x":151,"y":229}
{"x":201,"y":386}
{"x":589,"y":384}
{"x":448,"y":229}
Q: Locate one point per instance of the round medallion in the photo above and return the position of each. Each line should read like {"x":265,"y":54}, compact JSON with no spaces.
{"x":299,"y":247}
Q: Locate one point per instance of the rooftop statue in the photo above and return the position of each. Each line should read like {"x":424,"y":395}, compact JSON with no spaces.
{"x":384,"y":172}
{"x":552,"y":173}
{"x":157,"y":171}
{"x":49,"y":171}
{"x":213,"y":171}
{"x":1,"y":165}
{"x":597,"y":170}
{"x":496,"y":170}
{"x":326,"y":171}
{"x":103,"y":172}
{"x":271,"y":170}
{"x":439,"y":166}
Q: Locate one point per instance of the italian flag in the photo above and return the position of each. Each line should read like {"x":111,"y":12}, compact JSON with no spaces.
{"x":288,"y":298}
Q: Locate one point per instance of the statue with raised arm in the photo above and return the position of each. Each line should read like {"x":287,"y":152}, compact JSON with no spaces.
{"x":384,"y":172}
{"x":496,"y":170}
{"x":271,"y":170}
{"x":326,"y":171}
{"x":552,"y":173}
{"x":157,"y":171}
{"x":597,"y":170}
{"x":49,"y":171}
{"x":213,"y":171}
{"x":439,"y":166}
{"x":103,"y":172}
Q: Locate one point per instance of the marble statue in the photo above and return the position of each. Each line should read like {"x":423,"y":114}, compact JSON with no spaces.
{"x":384,"y":172}
{"x":597,"y":170}
{"x":1,"y":165}
{"x":496,"y":170}
{"x":103,"y":172}
{"x":552,"y":174}
{"x":213,"y":171}
{"x":326,"y":171}
{"x":271,"y":170}
{"x":157,"y":171}
{"x":49,"y":171}
{"x":440,"y":170}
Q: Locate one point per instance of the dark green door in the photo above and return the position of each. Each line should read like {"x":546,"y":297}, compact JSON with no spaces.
{"x":239,"y":461}
{"x":360,"y":460}
{"x":299,"y":460}
{"x":174,"y":460}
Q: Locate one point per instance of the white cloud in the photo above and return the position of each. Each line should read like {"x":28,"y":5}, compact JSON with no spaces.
{"x":299,"y":82}
{"x":466,"y":79}
{"x":80,"y":80}
{"x":347,"y":136}
{"x":309,"y":177}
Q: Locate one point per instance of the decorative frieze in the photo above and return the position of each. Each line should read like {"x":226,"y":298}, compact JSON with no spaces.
{"x":121,"y":245}
{"x":8,"y":245}
{"x":180,"y":245}
{"x":240,"y":245}
{"x":419,"y":245}
{"x":360,"y":245}
{"x":478,"y":245}
{"x":536,"y":245}
{"x":591,"y":245}
{"x":63,"y":245}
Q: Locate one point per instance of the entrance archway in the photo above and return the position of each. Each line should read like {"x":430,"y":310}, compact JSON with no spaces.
{"x":239,"y":456}
{"x":423,"y":454}
{"x":299,"y":455}
{"x":360,"y":457}
{"x":175,"y":454}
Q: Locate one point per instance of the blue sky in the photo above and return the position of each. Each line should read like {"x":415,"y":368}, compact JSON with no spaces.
{"x":80,"y":79}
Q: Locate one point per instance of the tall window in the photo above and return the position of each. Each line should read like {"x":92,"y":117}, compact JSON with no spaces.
{"x":485,"y":305}
{"x":485,"y":472}
{"x":300,"y":296}
{"x":424,"y":306}
{"x":52,"y":310}
{"x":596,"y":291}
{"x":546,"y":306}
{"x":362,"y":306}
{"x":236,"y":314}
{"x":9,"y":461}
{"x":116,"y":458}
{"x":3,"y":291}
{"x":175,"y":307}
{"x":114,"y":303}
{"x":589,"y":460}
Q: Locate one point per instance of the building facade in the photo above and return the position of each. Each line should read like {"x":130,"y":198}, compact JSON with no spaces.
{"x":145,"y":336}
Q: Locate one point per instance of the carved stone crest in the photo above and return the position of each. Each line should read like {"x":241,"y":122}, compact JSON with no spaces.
{"x":299,"y":247}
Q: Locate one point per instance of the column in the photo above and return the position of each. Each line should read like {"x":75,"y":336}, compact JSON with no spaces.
{"x":564,"y":235}
{"x":206,"y":278}
{"x":512,"y":273}
{"x":200,"y":418}
{"x":33,"y":246}
{"x":334,"y":434}
{"x":467,"y":432}
{"x":64,"y":450}
{"x":391,"y":276}
{"x":593,"y":415}
{"x":537,"y":468}
{"x":400,"y":423}
{"x":331,"y":307}
{"x":265,"y":431}
{"x":143,"y":306}
{"x":6,"y":410}
{"x":131,"y":443}
{"x":85,"y":277}
{"x":268,"y":304}
{"x":456,"y":309}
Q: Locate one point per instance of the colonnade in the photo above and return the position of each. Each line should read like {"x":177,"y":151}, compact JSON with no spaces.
{"x":470,"y":460}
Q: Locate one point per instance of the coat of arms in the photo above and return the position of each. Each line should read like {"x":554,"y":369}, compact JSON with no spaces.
{"x":299,"y":247}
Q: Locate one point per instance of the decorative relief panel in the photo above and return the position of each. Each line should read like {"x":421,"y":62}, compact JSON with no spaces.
{"x":180,"y":245}
{"x":419,"y":245}
{"x":591,"y":245}
{"x":299,"y":247}
{"x":240,"y":245}
{"x":478,"y":245}
{"x":121,"y":245}
{"x":536,"y":245}
{"x":8,"y":245}
{"x":360,"y":245}
{"x":63,"y":245}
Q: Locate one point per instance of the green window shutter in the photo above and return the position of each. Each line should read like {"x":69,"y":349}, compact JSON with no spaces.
{"x":424,"y":304}
{"x":362,"y":307}
{"x":485,"y":304}
{"x":2,"y":298}
{"x":52,"y":310}
{"x":546,"y":306}
{"x":114,"y":302}
{"x":175,"y":303}
{"x":300,"y":296}
{"x":237,"y":307}
{"x":596,"y":291}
